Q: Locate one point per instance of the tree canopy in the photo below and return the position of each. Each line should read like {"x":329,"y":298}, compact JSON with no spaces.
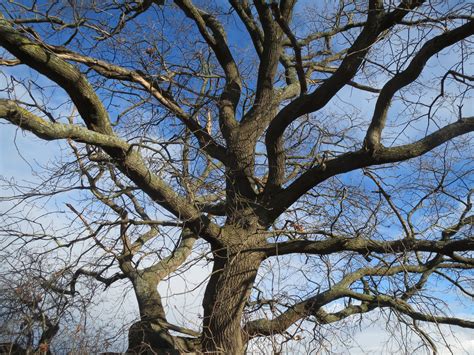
{"x":313,"y":159}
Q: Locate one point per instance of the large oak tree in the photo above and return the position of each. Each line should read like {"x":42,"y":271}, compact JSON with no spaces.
{"x":316,"y":154}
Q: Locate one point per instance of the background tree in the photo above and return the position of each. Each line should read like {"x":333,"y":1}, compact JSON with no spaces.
{"x":316,"y":155}
{"x":34,"y":310}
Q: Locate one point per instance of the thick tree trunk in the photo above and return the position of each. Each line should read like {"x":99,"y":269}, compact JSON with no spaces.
{"x":226,"y":294}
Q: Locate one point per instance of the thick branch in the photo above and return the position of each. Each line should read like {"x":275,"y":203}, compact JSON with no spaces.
{"x":313,"y":305}
{"x":64,"y":74}
{"x":129,"y":162}
{"x":278,"y":325}
{"x":269,"y":57}
{"x":171,"y":263}
{"x":361,"y":159}
{"x":245,"y":13}
{"x":366,"y":246}
{"x":22,"y":118}
{"x":404,"y":78}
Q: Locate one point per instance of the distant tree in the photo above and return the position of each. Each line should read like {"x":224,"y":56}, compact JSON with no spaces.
{"x":316,"y":154}
{"x":36,"y":309}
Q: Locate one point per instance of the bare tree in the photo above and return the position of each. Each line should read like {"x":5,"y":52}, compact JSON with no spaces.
{"x":317,"y":155}
{"x":35,"y":311}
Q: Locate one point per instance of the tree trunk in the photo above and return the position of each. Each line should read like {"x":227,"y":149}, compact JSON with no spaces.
{"x":150,"y":335}
{"x":226,"y":295}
